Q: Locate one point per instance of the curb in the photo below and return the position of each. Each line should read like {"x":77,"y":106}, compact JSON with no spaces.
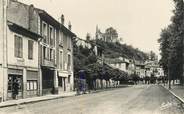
{"x":176,"y":96}
{"x":35,"y":101}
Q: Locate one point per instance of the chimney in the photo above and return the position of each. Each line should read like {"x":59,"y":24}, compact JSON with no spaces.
{"x":62,"y":19}
{"x":69,"y":26}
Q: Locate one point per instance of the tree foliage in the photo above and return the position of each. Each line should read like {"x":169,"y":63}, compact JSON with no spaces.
{"x":171,"y":43}
{"x":114,"y":50}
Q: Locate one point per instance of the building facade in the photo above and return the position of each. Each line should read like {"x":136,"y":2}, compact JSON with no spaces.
{"x":20,"y":51}
{"x":36,"y":52}
{"x":65,"y":67}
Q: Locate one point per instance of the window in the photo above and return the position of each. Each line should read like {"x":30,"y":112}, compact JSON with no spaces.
{"x":119,"y":65}
{"x":61,"y":37}
{"x":44,"y":29}
{"x":44,"y":52}
{"x":30,"y":49}
{"x":51,"y":55}
{"x":60,"y":81}
{"x":44,"y":32}
{"x":51,"y":35}
{"x":18,"y":46}
{"x":69,"y":78}
{"x":48,"y":53}
{"x":68,"y":42}
{"x":32,"y":85}
{"x":61,"y":59}
{"x":69,"y":62}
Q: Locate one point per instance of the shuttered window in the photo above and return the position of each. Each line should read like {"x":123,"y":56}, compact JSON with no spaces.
{"x":18,"y":47}
{"x":30,"y":49}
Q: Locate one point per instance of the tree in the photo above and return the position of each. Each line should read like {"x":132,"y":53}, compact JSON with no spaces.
{"x":152,"y":56}
{"x":164,"y":41}
{"x":111,"y":34}
{"x":176,"y":50}
{"x":172,"y":53}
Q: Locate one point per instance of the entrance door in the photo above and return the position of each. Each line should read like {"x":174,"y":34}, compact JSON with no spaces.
{"x":11,"y":79}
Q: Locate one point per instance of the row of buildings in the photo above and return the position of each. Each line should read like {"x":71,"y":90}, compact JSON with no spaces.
{"x":36,"y":50}
{"x":143,"y":69}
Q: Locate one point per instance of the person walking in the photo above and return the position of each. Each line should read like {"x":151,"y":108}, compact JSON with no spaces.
{"x":15,"y":89}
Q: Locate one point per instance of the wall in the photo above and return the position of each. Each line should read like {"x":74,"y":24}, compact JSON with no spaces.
{"x":12,"y":60}
{"x":23,"y":15}
{"x":1,"y":30}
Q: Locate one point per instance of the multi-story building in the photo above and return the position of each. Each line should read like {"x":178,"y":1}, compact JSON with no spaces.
{"x":20,"y":51}
{"x":140,"y":68}
{"x":56,"y":49}
{"x":36,"y":51}
{"x":122,"y":64}
{"x":65,"y":67}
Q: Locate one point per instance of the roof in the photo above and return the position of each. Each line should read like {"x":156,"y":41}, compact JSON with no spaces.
{"x":47,"y":17}
{"x":23,"y":31}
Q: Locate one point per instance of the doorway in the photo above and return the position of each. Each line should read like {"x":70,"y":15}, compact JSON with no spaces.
{"x":11,"y":79}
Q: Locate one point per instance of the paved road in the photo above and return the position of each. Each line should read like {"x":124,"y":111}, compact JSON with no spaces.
{"x":141,"y":99}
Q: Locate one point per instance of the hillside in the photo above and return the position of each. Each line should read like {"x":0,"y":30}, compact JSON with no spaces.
{"x":113,"y":50}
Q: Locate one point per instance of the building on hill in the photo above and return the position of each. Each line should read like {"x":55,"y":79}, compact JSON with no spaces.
{"x":107,"y":36}
{"x":122,"y":64}
{"x":91,"y":44}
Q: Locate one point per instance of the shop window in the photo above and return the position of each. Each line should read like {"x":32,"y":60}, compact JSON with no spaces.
{"x":32,"y":85}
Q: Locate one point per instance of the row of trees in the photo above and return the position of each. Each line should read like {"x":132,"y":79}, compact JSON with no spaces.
{"x":171,"y":44}
{"x":85,"y":59}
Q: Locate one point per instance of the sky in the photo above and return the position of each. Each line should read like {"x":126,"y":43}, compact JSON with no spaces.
{"x":138,"y":22}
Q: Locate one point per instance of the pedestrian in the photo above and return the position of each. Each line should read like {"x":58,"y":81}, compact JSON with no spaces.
{"x":15,"y":90}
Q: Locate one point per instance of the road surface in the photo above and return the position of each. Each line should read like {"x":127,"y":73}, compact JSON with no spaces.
{"x":140,"y":99}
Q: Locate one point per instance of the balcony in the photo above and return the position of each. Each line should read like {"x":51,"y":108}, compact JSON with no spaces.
{"x":48,"y":63}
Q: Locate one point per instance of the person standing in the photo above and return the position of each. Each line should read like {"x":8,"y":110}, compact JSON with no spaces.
{"x":15,"y":91}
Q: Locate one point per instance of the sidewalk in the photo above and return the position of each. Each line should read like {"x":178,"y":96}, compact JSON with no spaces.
{"x":35,"y":99}
{"x":177,"y":91}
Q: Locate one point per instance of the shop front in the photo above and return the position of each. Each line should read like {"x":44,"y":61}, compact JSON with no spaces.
{"x":63,"y":82}
{"x":32,"y":83}
{"x":15,"y":75}
{"x":48,"y":81}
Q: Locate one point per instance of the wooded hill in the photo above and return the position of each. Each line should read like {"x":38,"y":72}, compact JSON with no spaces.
{"x":114,"y":50}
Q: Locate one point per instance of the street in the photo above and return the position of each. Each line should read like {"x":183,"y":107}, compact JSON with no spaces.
{"x":140,"y":99}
